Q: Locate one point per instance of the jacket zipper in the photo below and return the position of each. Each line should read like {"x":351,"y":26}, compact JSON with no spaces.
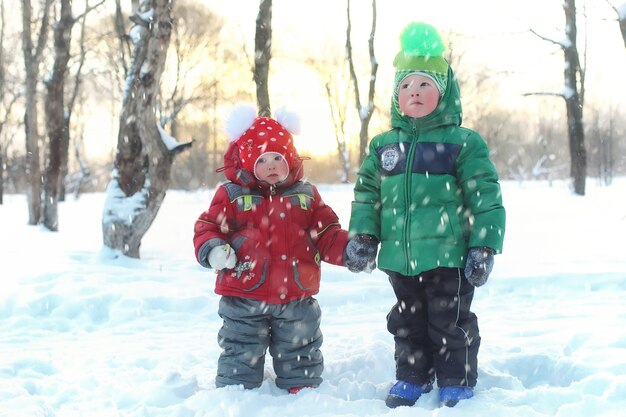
{"x":407,"y":194}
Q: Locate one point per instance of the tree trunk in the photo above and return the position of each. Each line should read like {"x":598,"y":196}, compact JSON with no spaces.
{"x":2,"y":92}
{"x":262,"y":56}
{"x":65,"y":151}
{"x":143,"y":160}
{"x":55,"y":120}
{"x":573,"y":100}
{"x":32,"y":58}
{"x":1,"y":177}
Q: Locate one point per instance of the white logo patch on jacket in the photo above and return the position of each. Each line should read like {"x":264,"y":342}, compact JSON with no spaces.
{"x":389,"y":159}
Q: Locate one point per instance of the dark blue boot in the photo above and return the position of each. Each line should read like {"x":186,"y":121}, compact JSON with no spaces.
{"x":450,"y":396}
{"x":405,"y":393}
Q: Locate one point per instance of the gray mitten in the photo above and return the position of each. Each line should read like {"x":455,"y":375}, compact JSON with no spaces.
{"x":360,"y":253}
{"x":479,"y":265}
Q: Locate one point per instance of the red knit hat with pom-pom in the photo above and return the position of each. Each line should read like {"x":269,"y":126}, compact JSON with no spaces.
{"x":255,"y":135}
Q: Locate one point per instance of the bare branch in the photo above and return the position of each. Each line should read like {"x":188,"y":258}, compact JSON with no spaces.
{"x":373,"y":62}
{"x":353,"y":77}
{"x":89,"y":9}
{"x":540,"y":93}
{"x":43,"y":32}
{"x":560,"y":44}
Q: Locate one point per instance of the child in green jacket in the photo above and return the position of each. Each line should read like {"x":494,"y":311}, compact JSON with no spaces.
{"x":429,"y":194}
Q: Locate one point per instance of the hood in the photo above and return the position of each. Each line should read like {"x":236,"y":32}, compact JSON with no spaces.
{"x":235,"y":172}
{"x":448,"y":111}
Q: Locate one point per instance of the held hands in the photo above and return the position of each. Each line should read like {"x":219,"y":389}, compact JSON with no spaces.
{"x":222,"y":257}
{"x":360,"y":253}
{"x":479,"y":265}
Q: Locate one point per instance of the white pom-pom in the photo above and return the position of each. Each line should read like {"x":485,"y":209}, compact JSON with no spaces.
{"x":289,"y":120}
{"x":239,"y":120}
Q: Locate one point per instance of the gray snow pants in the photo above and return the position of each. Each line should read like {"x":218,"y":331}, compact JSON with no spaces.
{"x":291,"y":331}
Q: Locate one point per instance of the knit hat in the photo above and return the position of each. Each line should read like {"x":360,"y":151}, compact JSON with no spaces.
{"x":255,"y":135}
{"x":422,"y":53}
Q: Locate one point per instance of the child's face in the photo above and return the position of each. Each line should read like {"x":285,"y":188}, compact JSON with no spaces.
{"x":271,"y":167}
{"x":418,"y":95}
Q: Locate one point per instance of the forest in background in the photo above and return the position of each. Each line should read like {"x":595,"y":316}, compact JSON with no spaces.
{"x":210,"y":67}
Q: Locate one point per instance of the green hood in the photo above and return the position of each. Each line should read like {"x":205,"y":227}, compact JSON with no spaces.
{"x":448,"y":112}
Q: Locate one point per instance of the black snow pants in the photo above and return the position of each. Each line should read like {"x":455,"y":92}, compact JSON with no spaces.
{"x":435,"y":333}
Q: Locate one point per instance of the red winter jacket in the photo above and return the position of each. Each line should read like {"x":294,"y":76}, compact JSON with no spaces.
{"x":280,"y":235}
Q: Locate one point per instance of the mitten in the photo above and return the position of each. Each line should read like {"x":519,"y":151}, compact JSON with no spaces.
{"x":360,"y":253}
{"x":222,"y":257}
{"x":479,"y":265}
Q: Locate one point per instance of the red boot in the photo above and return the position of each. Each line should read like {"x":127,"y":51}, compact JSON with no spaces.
{"x":296,"y":390}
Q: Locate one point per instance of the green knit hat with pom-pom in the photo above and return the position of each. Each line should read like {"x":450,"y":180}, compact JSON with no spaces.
{"x":421,"y":51}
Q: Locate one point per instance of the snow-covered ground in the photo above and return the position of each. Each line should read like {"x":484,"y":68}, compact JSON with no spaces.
{"x":84,"y":336}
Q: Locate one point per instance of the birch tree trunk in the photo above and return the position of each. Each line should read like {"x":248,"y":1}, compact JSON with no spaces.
{"x":573,"y":94}
{"x":574,"y":84}
{"x":145,"y":153}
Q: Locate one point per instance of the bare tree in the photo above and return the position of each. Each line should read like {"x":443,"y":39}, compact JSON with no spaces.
{"x":195,"y":33}
{"x":54,"y":110}
{"x":332,"y":71}
{"x":365,"y":112}
{"x":602,"y":143}
{"x":122,"y":37}
{"x":10,"y":93}
{"x":337,"y":111}
{"x":57,"y":124}
{"x":145,"y":153}
{"x":32,"y":59}
{"x":6,"y":110}
{"x":196,"y":64}
{"x":262,"y":56}
{"x":573,"y":95}
{"x":72,"y":101}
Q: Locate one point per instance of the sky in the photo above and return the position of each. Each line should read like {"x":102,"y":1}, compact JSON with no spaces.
{"x":492,"y":35}
{"x":84,"y":335}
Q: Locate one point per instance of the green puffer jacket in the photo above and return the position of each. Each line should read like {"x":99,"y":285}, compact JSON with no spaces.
{"x":428,"y":191}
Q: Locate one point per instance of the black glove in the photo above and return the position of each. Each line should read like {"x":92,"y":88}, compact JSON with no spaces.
{"x":479,"y":265}
{"x":360,"y":253}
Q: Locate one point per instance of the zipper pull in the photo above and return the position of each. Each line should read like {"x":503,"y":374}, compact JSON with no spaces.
{"x":272,"y":189}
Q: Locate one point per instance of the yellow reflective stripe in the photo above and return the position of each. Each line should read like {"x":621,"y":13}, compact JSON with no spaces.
{"x":303,"y":201}
{"x":247,"y":202}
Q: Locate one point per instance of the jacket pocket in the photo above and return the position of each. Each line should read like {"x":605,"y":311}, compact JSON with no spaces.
{"x":306,"y":266}
{"x":253,"y":260}
{"x":454,"y":221}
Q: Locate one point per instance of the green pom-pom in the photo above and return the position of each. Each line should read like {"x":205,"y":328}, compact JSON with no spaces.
{"x":421,"y":39}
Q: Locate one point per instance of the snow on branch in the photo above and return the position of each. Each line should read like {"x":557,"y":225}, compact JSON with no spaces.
{"x":170,"y":142}
{"x":143,"y":18}
{"x":620,"y":10}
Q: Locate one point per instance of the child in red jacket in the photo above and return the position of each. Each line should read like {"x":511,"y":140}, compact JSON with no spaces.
{"x":266,"y":233}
